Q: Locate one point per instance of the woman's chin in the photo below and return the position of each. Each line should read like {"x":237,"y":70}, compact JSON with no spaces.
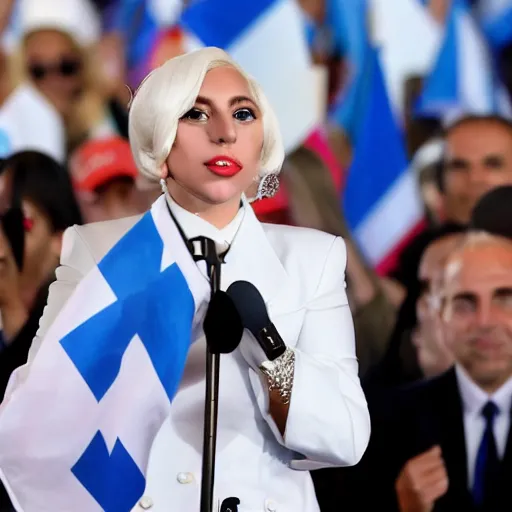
{"x":221,"y":193}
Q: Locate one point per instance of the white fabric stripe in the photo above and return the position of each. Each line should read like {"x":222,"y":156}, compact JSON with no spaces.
{"x":474,"y":67}
{"x":398,"y":211}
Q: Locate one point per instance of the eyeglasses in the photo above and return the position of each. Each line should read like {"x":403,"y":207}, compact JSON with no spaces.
{"x":67,"y":67}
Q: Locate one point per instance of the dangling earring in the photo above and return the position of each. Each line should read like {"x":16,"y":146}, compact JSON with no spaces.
{"x":267,"y":188}
{"x":163,"y":185}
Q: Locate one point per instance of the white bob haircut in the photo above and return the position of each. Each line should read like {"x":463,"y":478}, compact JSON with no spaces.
{"x":169,"y":92}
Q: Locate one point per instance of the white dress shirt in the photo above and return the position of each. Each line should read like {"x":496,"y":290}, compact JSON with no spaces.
{"x":193,"y":225}
{"x":473,"y":400}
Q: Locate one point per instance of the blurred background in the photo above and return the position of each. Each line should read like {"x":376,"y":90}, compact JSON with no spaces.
{"x":395,"y":116}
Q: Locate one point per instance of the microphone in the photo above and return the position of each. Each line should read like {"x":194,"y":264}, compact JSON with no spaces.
{"x":222,"y":324}
{"x":254,"y":317}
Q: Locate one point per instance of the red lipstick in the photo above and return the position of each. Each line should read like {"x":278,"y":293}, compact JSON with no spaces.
{"x":224,"y":166}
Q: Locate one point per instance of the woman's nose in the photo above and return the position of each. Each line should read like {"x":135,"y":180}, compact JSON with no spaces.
{"x":223,"y":131}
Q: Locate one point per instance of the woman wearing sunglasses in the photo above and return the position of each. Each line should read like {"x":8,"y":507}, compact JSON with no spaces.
{"x":56,"y":56}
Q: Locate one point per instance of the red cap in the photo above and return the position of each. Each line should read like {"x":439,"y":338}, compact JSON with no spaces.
{"x":98,"y":161}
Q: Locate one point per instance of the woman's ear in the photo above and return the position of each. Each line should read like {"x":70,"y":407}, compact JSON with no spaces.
{"x":164,"y":171}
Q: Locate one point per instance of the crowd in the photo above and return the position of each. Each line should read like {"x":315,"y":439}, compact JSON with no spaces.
{"x":433,"y":336}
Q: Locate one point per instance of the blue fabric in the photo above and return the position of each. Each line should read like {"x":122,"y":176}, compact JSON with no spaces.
{"x":113,"y":479}
{"x":441,"y":89}
{"x":498,"y":29}
{"x":348,"y":23}
{"x":221,"y":22}
{"x":487,"y":461}
{"x":379,"y":155}
{"x":134,"y":21}
{"x":159,"y":307}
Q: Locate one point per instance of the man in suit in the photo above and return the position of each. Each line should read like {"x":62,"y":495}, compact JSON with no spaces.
{"x":445,"y":444}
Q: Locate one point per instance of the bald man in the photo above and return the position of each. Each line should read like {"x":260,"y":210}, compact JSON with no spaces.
{"x":434,"y":356}
{"x":444,"y":445}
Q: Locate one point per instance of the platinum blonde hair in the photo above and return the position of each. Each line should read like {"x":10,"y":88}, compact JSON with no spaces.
{"x":169,"y":92}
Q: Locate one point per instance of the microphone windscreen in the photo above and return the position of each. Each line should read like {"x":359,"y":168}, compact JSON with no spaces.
{"x":222,"y":324}
{"x":250,"y":305}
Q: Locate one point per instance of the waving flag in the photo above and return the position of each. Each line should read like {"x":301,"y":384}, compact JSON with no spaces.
{"x":496,"y":20}
{"x":463,"y":79}
{"x":381,"y":201}
{"x":76,"y":434}
{"x":348,"y":22}
{"x":267,"y":38}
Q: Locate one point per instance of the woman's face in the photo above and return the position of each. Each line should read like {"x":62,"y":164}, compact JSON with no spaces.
{"x":54,"y":66}
{"x":217,"y":151}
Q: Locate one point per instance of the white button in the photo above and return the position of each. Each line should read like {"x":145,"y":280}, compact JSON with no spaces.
{"x":270,"y":506}
{"x":146,"y":502}
{"x":185,"y":478}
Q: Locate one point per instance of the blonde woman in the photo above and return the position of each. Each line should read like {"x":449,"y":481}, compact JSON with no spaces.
{"x":205,"y":128}
{"x":57,"y":54}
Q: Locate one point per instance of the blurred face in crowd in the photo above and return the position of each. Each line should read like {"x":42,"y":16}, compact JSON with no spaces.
{"x":42,"y":246}
{"x":217,"y":151}
{"x":115,"y":199}
{"x":54,"y":65}
{"x":478,"y":159}
{"x":478,"y":310}
{"x":434,"y":356}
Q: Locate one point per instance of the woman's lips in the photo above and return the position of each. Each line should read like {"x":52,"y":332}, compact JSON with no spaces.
{"x":224,"y":166}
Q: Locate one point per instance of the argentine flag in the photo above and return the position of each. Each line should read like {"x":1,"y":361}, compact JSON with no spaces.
{"x":76,"y":434}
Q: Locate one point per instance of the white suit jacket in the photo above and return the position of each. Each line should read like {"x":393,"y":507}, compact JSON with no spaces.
{"x":300,"y":273}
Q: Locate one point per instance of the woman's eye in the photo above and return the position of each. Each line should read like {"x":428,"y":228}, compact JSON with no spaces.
{"x":195,"y":114}
{"x":244,"y":114}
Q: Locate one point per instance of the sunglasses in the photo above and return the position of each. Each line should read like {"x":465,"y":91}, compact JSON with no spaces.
{"x":67,"y":67}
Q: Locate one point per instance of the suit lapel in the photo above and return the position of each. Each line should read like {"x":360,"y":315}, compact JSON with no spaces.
{"x":252,"y":258}
{"x":452,"y":439}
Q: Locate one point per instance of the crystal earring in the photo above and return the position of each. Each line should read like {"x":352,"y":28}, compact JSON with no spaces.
{"x":163,"y":186}
{"x":268,"y":187}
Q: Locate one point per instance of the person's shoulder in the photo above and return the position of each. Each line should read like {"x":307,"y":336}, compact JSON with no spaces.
{"x":99,"y":237}
{"x":301,"y":240}
{"x":416,"y":395}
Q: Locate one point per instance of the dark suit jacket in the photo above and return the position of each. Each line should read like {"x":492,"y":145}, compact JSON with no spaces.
{"x":405,"y":423}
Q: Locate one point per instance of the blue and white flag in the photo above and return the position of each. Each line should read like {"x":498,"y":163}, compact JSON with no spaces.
{"x":496,"y":20}
{"x":76,"y":433}
{"x":381,"y":200}
{"x":463,"y":79}
{"x":348,"y":20}
{"x":267,"y":38}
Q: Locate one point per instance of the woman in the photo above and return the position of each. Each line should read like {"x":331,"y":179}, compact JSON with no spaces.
{"x":204,"y":128}
{"x":58,"y":55}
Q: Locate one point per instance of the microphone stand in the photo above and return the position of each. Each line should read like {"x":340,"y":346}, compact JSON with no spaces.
{"x":208,"y":253}
{"x":203,"y":248}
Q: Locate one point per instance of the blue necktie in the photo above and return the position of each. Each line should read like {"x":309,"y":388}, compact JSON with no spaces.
{"x":487,"y":461}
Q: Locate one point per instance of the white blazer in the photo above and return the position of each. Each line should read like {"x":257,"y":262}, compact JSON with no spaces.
{"x":300,"y":273}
